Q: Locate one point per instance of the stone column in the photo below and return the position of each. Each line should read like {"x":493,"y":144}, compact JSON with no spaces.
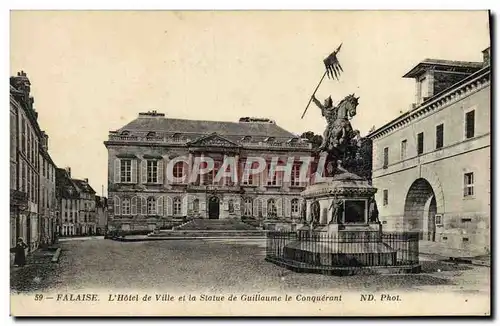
{"x":308,"y":210}
{"x":190,"y":167}
{"x":223,"y":162}
{"x":236,"y":171}
{"x":202,"y":176}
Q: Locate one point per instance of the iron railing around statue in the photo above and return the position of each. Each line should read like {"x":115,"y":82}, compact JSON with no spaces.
{"x":344,"y":253}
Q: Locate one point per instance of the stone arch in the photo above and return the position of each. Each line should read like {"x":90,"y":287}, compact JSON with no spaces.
{"x":420,"y":209}
{"x":433,"y":179}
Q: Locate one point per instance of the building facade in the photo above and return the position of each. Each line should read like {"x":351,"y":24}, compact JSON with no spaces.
{"x":77,"y":205}
{"x":25,"y":140}
{"x":47,"y":208}
{"x":140,"y":154}
{"x":101,"y":205}
{"x":431,"y":165}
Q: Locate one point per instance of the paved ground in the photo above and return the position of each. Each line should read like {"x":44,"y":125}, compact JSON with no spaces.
{"x":217,"y":266}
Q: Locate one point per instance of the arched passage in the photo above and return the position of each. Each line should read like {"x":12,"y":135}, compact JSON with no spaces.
{"x":420,"y":209}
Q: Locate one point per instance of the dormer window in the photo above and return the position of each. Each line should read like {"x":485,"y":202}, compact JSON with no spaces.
{"x":176,"y":136}
{"x":270,"y":139}
{"x":151,"y":134}
{"x":293,"y":140}
{"x":125,"y":133}
{"x":246,"y":139}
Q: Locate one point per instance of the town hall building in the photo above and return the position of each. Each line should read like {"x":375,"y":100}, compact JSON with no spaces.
{"x":142,"y":196}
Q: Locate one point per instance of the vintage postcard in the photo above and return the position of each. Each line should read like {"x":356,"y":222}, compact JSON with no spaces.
{"x":250,"y":163}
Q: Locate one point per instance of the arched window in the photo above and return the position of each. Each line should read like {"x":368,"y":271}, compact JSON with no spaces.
{"x":259,"y":208}
{"x":196,"y":205}
{"x":126,"y":206}
{"x":295,"y":206}
{"x":271,"y":208}
{"x":230,"y":205}
{"x":125,"y":133}
{"x":176,"y":137}
{"x":151,"y":206}
{"x":178,"y":170}
{"x":177,"y":206}
{"x":247,"y":209}
{"x":246,"y":138}
{"x":151,"y":134}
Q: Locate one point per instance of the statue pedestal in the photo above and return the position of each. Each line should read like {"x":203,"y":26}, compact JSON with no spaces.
{"x":344,"y":237}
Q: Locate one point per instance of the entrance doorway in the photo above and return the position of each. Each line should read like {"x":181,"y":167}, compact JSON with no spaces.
{"x":420,"y":210}
{"x":213,"y":207}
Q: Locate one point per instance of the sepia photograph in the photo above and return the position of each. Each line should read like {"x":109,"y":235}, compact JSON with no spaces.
{"x":250,"y":163}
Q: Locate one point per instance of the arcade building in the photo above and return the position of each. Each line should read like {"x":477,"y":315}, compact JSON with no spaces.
{"x":431,"y":165}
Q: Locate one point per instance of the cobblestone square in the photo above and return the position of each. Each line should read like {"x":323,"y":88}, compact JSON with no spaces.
{"x":218,"y":266}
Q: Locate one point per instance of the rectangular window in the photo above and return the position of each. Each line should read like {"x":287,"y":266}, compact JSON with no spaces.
{"x":248,"y":177}
{"x":28,"y":148}
{"x":439,"y":219}
{"x":420,"y":143}
{"x":386,"y":197}
{"x":177,"y":206}
{"x":25,"y":177}
{"x":468,"y":184}
{"x":248,"y":207}
{"x":23,"y":135}
{"x":295,"y":177}
{"x":404,"y":144}
{"x":439,"y":136}
{"x":272,"y":180}
{"x":469,"y":124}
{"x":424,"y":89}
{"x":152,"y":167}
{"x":295,"y":206}
{"x":125,"y":171}
{"x":386,"y":157}
{"x":126,"y":206}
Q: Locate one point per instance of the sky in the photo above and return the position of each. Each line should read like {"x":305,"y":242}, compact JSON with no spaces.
{"x":93,"y":71}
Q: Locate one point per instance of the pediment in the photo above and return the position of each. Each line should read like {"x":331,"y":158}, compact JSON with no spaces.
{"x":213,"y":140}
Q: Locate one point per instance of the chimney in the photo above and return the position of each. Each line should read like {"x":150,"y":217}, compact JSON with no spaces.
{"x":86,"y":180}
{"x":68,"y":170}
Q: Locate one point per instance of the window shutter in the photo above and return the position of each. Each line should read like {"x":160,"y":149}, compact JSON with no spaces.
{"x":165,"y":172}
{"x":279,"y":207}
{"x":264,"y":207}
{"x":256,"y":207}
{"x":144,"y":171}
{"x":288,"y":209}
{"x":159,"y":203}
{"x":160,"y":172}
{"x":133,"y":206}
{"x":133,"y":171}
{"x":117,"y":205}
{"x":190,"y":203}
{"x":143,"y":206}
{"x":169,"y":207}
{"x":202,"y":206}
{"x":184,"y":205}
{"x":117,"y":170}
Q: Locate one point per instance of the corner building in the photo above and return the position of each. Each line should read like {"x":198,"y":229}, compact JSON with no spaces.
{"x":141,"y":197}
{"x":431,"y":165}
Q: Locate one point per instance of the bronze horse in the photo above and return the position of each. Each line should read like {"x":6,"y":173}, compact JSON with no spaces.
{"x":338,"y":133}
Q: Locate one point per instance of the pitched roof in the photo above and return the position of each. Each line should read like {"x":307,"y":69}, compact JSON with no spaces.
{"x":443,"y":64}
{"x":83,"y":185}
{"x":225,"y":128}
